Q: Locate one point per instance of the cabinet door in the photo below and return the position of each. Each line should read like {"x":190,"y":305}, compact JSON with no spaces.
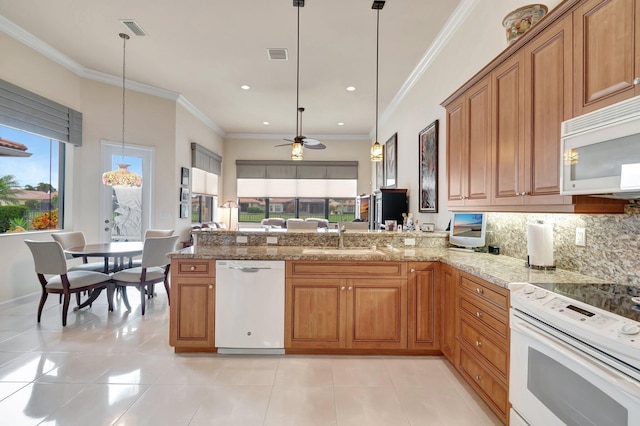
{"x":423,"y":306}
{"x":448,"y":283}
{"x":508,"y":138}
{"x":478,"y":164}
{"x":315,"y":313}
{"x":549,"y":101}
{"x":376,"y":314}
{"x":606,"y":53}
{"x":456,"y":152}
{"x":192,"y":313}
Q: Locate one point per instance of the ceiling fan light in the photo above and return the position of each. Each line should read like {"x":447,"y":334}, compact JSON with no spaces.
{"x":296,"y":151}
{"x":376,"y":152}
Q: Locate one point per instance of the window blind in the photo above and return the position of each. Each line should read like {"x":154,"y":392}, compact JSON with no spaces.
{"x":204,"y":159}
{"x":24,"y":110}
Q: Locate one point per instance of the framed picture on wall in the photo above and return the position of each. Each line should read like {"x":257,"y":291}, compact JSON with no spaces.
{"x":391,"y":161}
{"x":428,"y":168}
{"x":184,"y":173}
{"x":380,"y":172}
{"x":184,"y":195}
{"x":184,"y":210}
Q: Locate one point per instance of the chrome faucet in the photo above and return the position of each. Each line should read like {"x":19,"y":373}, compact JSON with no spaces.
{"x":341,"y":230}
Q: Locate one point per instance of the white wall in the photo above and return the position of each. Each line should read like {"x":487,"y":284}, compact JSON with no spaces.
{"x":261,"y":149}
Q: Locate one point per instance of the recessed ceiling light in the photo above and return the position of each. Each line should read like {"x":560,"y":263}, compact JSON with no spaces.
{"x":340,"y":124}
{"x":245,"y":87}
{"x":350,"y":89}
{"x":266,"y":123}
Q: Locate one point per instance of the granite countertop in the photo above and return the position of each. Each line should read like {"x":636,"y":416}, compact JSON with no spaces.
{"x":499,"y":270}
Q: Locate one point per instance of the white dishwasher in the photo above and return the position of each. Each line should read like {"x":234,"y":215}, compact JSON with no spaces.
{"x":249,"y":314}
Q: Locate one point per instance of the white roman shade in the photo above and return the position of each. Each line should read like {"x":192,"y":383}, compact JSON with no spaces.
{"x":311,"y":179}
{"x":205,"y":169}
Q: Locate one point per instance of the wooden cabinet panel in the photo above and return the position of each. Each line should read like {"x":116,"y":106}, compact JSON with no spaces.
{"x":376,"y":314}
{"x":469,"y":147}
{"x":548,"y":65}
{"x":423,"y":305}
{"x":315,"y":313}
{"x":492,"y":391}
{"x":481,"y":343}
{"x":488,"y":318}
{"x":486,"y":293}
{"x":606,"y":53}
{"x":508,"y":136}
{"x":449,"y":284}
{"x":346,"y":269}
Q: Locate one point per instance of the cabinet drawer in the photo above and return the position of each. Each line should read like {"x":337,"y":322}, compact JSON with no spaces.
{"x":494,"y":393}
{"x":194,"y":268}
{"x":489,"y":318}
{"x":486,"y":292}
{"x":492,"y":351}
{"x":346,"y":269}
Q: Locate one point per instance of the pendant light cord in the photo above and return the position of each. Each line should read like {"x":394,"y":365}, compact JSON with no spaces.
{"x":377,"y":61}
{"x":298,"y":75}
{"x":124,"y":49}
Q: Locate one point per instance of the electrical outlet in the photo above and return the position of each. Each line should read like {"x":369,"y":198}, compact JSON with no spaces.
{"x":581,"y":237}
{"x":409,"y":241}
{"x":272,"y":240}
{"x":241,"y":239}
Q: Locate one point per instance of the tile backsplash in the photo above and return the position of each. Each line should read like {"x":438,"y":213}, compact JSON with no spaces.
{"x":612,"y":250}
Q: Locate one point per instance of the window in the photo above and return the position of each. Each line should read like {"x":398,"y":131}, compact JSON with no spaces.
{"x":334,"y":209}
{"x":31,"y":181}
{"x":203,"y":208}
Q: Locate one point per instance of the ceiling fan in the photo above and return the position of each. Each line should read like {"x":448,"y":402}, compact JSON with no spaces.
{"x":305,"y":141}
{"x":300,"y":141}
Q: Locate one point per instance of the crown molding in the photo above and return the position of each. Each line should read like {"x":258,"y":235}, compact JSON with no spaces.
{"x":28,"y":39}
{"x":457,"y":18}
{"x":272,"y":136}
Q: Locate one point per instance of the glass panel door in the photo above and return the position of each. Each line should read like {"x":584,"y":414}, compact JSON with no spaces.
{"x":126,"y":211}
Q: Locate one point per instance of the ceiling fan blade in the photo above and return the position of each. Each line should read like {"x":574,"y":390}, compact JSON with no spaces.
{"x":283,"y":144}
{"x":318,"y":145}
{"x":310,"y":141}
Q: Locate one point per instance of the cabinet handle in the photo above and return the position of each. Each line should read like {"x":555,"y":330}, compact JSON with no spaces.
{"x":479,"y":314}
{"x":350,"y":288}
{"x":413,"y":270}
{"x":636,"y":81}
{"x":477,"y":377}
{"x":193,"y":268}
{"x":479,"y":290}
{"x":210,"y":286}
{"x":342,"y":288}
{"x":478,"y":343}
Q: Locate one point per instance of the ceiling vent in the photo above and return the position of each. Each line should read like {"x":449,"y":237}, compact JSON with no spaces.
{"x":278,"y":54}
{"x":133,"y":27}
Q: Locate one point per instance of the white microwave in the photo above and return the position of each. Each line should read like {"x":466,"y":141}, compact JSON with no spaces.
{"x":601,"y":152}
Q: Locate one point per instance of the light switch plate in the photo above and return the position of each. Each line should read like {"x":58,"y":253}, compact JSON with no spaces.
{"x":581,"y":237}
{"x":272,"y":240}
{"x":241,"y":239}
{"x":409,"y":241}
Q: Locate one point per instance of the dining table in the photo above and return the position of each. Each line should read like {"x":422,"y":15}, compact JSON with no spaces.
{"x":119,"y":251}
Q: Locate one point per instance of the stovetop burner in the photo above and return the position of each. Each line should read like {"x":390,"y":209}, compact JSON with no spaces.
{"x":615,"y":298}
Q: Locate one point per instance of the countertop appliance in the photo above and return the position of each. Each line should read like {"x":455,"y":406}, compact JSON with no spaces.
{"x":575,"y":354}
{"x":249,"y":315}
{"x":601,"y":152}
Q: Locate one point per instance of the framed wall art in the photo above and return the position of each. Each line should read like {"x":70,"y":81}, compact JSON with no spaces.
{"x":184,"y":195}
{"x":380,"y":172}
{"x":184,"y":173}
{"x":391,"y":161}
{"x":428,"y":168}
{"x":184,"y":210}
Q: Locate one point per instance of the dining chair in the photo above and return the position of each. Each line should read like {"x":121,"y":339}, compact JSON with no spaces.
{"x":154,"y":269}
{"x":49,"y":260}
{"x":147,"y":234}
{"x":76,"y":239}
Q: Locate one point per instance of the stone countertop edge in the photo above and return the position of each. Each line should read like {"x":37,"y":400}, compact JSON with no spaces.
{"x":500,"y":270}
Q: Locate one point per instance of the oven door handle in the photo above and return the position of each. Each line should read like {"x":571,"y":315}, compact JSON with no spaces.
{"x":617,"y":379}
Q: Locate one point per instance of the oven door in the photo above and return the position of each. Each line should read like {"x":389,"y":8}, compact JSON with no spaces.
{"x":553,"y":383}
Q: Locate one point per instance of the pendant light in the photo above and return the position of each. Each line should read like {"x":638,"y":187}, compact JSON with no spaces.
{"x":122,"y":176}
{"x":376,"y":148}
{"x":296,"y":146}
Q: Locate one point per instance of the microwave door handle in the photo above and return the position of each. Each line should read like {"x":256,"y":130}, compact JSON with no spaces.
{"x":618,"y":380}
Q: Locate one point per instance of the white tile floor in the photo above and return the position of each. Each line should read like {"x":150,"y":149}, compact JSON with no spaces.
{"x":118,"y":368}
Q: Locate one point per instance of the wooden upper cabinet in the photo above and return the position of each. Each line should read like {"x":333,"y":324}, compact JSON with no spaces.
{"x":548,"y":73}
{"x":469,"y":147}
{"x":607,"y":53}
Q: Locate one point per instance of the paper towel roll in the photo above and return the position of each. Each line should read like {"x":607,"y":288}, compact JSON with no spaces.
{"x":540,"y":244}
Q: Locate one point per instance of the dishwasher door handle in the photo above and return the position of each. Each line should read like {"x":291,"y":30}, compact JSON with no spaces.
{"x":247,"y":269}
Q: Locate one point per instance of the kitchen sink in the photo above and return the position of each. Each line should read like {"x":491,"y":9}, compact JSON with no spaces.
{"x":345,"y":251}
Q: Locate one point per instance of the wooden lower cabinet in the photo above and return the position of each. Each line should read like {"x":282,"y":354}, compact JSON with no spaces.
{"x":192,"y":305}
{"x":423,"y":305}
{"x":358,"y":307}
{"x":448,"y":284}
{"x":483,"y":340}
